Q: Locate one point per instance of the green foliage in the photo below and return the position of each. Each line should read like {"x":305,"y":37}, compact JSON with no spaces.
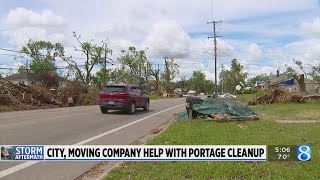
{"x":248,"y":91}
{"x":260,"y":77}
{"x":198,"y":81}
{"x":231,"y":78}
{"x":42,"y":54}
{"x":95,"y":54}
{"x":137,"y":63}
{"x":108,"y":74}
{"x":170,"y":72}
{"x":199,"y":132}
{"x":289,"y":72}
{"x":22,"y":70}
{"x":315,"y":73}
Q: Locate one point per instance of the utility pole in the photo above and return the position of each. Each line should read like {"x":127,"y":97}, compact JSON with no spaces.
{"x":105,"y":64}
{"x":215,"y":53}
{"x":222,"y":81}
{"x":158,"y":83}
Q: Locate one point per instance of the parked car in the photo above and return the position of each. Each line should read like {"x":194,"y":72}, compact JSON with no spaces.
{"x":123,"y":97}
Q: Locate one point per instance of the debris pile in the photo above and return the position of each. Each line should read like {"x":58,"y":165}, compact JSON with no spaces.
{"x":221,"y":110}
{"x":72,"y":93}
{"x":283,"y":97}
{"x":22,"y":97}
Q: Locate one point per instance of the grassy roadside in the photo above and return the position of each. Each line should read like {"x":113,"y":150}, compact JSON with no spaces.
{"x":155,"y":97}
{"x":265,"y":131}
{"x":202,"y":133}
{"x":279,"y":111}
{"x":283,"y":111}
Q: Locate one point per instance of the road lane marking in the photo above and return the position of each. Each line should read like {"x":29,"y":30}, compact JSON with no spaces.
{"x":30,"y":163}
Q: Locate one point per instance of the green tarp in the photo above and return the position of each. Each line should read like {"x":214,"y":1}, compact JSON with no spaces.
{"x":220,"y":106}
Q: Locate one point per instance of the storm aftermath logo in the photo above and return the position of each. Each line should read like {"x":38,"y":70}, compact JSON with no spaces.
{"x":22,"y":153}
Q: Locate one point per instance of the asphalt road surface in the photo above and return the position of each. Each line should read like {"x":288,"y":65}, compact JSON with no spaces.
{"x":76,"y":125}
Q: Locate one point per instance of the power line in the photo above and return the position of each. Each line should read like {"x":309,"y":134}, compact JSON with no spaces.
{"x":10,"y":50}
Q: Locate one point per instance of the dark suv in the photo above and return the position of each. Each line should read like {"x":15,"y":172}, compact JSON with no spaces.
{"x":123,"y":97}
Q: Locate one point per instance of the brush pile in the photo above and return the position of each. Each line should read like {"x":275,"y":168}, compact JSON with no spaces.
{"x":279,"y":96}
{"x":22,"y":97}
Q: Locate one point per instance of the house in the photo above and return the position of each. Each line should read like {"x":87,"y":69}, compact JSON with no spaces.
{"x":191,"y":93}
{"x":30,"y":79}
{"x":291,"y":85}
{"x":259,"y":84}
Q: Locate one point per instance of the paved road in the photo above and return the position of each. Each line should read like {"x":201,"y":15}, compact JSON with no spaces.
{"x":76,"y":125}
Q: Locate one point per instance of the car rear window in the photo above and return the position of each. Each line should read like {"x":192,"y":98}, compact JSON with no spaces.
{"x":111,"y":89}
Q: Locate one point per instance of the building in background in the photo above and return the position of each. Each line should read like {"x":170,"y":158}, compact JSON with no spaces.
{"x":30,"y":79}
{"x":289,"y":85}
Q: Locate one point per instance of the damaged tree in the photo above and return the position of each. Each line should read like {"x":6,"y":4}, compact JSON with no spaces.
{"x":94,"y":55}
{"x":170,"y":71}
{"x":299,"y":78}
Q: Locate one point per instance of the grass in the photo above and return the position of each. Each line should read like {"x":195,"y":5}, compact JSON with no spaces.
{"x":243,"y":98}
{"x":204,"y":133}
{"x":283,"y":111}
{"x":262,"y":132}
{"x":280,"y":111}
{"x":156,"y":97}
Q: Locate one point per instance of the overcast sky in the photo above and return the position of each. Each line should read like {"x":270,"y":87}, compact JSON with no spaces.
{"x":263,"y":35}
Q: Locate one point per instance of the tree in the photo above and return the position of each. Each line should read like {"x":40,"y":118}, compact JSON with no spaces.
{"x":198,"y":81}
{"x":110,"y":75}
{"x":94,"y":55}
{"x":137,"y":63}
{"x":42,"y":54}
{"x":182,"y":83}
{"x":232,"y":78}
{"x":171,"y":69}
{"x":22,"y":70}
{"x":315,"y":73}
{"x":261,"y":77}
{"x":299,"y":78}
{"x":155,"y":73}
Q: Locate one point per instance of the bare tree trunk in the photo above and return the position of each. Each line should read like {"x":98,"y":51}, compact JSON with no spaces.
{"x":301,"y":82}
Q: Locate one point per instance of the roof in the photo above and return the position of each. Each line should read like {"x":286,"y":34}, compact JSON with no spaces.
{"x":29,"y":76}
{"x":259,"y":83}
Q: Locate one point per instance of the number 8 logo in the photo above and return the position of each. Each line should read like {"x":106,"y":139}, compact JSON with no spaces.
{"x":304,"y":153}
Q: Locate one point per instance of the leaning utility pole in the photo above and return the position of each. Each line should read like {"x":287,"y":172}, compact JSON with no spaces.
{"x":215,"y":53}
